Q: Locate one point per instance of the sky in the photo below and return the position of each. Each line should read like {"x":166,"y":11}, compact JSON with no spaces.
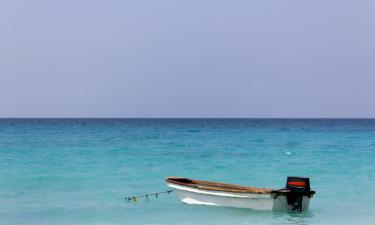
{"x":169,"y":58}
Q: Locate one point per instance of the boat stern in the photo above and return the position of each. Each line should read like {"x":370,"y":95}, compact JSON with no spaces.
{"x":295,"y":196}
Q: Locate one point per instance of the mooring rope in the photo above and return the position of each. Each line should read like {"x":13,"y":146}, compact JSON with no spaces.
{"x":135,"y":199}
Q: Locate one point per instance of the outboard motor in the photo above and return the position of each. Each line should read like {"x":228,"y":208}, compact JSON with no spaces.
{"x":298,"y":187}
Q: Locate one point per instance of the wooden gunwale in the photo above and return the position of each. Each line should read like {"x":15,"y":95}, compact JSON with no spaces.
{"x":216,"y":186}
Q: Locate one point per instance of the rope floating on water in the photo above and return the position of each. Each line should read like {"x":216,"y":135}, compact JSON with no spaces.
{"x":135,"y":199}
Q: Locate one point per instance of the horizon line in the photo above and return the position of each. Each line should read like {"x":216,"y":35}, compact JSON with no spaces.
{"x":187,"y":117}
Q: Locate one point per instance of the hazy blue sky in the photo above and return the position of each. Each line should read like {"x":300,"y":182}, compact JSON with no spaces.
{"x":196,"y":58}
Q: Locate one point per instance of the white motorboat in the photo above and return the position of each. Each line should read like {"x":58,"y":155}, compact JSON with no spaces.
{"x":295,"y":196}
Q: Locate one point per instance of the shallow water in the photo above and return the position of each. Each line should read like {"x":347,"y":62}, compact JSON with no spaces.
{"x":76,"y":171}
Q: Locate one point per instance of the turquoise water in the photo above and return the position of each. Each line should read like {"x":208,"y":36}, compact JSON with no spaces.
{"x":73,"y":171}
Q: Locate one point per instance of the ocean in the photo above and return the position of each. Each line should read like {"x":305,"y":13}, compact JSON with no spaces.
{"x":78,"y":171}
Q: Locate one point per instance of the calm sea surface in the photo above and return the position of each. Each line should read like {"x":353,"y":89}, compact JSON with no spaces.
{"x":76,"y":171}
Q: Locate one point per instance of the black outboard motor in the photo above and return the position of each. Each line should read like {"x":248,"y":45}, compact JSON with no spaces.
{"x":298,"y":187}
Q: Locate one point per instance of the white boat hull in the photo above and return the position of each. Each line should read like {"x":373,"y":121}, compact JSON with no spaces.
{"x":191,"y":195}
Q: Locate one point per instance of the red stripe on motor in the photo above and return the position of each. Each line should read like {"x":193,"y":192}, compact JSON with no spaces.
{"x":297,"y":183}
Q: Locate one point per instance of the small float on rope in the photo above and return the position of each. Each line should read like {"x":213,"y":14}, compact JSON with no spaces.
{"x":295,"y":196}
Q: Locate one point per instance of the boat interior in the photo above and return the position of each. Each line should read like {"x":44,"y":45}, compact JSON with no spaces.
{"x":216,"y":186}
